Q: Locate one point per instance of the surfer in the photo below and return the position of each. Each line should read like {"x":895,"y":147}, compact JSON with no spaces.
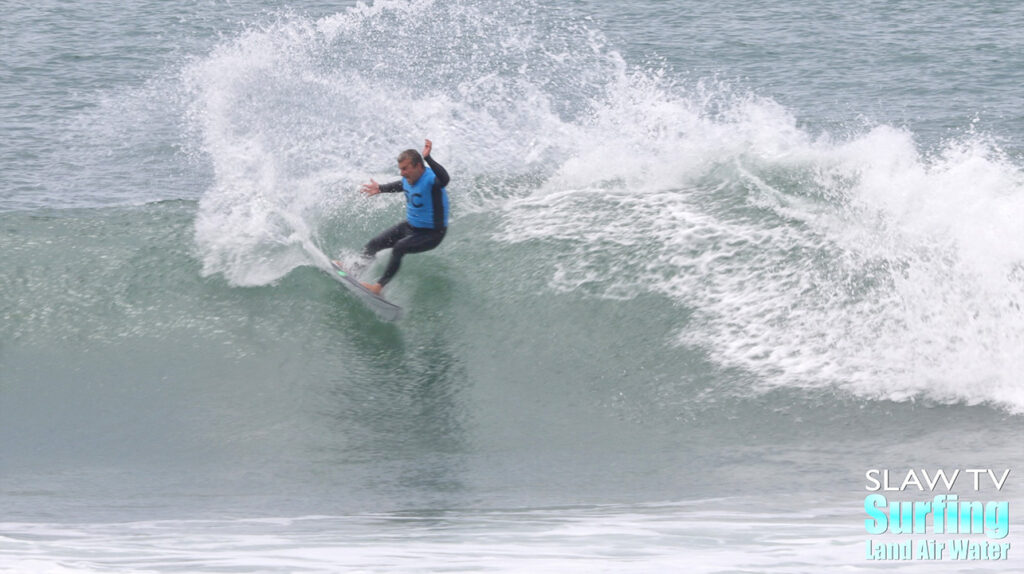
{"x":426,"y":208}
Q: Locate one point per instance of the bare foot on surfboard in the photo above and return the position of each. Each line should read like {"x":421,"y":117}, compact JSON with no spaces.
{"x":374,"y":288}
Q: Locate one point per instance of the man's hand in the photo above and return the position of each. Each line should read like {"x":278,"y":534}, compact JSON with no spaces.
{"x":426,"y":148}
{"x":372,"y":188}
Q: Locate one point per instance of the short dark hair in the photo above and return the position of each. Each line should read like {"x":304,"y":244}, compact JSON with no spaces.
{"x":410,"y":154}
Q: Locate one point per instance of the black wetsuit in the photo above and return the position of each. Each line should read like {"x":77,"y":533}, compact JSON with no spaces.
{"x":406,"y":238}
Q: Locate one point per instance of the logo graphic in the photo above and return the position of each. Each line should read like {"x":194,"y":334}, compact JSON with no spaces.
{"x":923,"y":525}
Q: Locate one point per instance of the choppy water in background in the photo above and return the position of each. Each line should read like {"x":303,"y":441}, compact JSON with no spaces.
{"x":707,"y":265}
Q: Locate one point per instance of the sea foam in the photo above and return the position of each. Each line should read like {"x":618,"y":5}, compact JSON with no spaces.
{"x":812,"y":257}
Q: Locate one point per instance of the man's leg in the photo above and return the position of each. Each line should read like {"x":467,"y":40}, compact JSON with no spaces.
{"x":388,"y":238}
{"x":384,"y":240}
{"x":418,"y":241}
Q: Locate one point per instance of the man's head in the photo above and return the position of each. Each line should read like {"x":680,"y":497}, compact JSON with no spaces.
{"x":410,"y":165}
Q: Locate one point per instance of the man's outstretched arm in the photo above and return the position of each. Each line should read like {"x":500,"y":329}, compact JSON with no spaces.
{"x":373,"y":188}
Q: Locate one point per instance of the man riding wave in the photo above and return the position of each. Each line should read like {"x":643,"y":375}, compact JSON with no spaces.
{"x":426,"y":210}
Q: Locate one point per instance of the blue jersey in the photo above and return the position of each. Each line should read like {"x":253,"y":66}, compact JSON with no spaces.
{"x":426,"y":201}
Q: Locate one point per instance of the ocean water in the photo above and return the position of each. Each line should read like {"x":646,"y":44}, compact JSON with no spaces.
{"x":709,"y":264}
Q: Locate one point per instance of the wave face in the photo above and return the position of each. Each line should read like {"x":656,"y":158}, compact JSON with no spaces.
{"x":845,"y":258}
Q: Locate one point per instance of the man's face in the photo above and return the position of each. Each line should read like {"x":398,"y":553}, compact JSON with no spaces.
{"x":411,"y":172}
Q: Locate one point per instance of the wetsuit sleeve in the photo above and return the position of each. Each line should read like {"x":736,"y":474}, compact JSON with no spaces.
{"x":393,"y":187}
{"x":441,"y":179}
{"x":441,"y":174}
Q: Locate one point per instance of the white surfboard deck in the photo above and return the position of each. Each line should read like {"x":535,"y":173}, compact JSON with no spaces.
{"x":384,"y":309}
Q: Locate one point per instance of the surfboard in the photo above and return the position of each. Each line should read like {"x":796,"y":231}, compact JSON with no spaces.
{"x":384,"y":309}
